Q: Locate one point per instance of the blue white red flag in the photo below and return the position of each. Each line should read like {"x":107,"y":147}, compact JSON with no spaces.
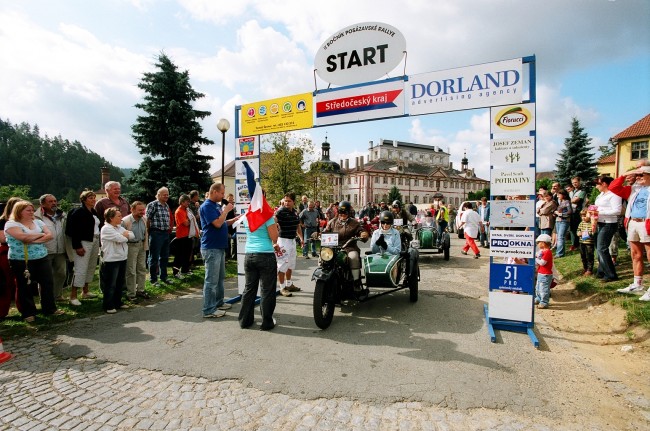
{"x":259,"y":211}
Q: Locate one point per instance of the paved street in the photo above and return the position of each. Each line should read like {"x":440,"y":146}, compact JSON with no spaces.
{"x":386,"y":364}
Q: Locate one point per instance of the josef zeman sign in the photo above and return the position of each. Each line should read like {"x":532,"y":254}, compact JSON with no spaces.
{"x":358,"y":53}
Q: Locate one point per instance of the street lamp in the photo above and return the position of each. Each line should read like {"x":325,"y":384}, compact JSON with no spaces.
{"x":223,"y":125}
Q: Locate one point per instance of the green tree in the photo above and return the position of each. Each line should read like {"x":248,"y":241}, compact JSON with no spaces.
{"x":10,"y":191}
{"x":283,"y":156}
{"x":169,"y":135}
{"x":576,"y":159}
{"x":394,"y":195}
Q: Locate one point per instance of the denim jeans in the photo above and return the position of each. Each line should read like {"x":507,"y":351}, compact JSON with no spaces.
{"x":606,"y":267}
{"x":307,"y":236}
{"x":113,"y":283}
{"x":561,"y":228}
{"x":213,"y":288}
{"x":158,"y":254}
{"x":261,"y":272}
{"x":543,"y":288}
{"x":442,"y":225}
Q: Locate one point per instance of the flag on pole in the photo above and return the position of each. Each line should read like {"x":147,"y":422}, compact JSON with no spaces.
{"x":259,"y":210}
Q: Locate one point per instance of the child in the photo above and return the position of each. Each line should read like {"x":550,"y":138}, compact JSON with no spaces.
{"x":586,"y":234}
{"x":544,"y":264}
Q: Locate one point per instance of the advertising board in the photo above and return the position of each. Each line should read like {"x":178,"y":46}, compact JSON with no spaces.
{"x":277,"y":115}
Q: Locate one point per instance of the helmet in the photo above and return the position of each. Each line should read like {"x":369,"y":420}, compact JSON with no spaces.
{"x":345,"y":208}
{"x":544,"y":238}
{"x":397,"y":204}
{"x":428,"y":213}
{"x":386,"y":217}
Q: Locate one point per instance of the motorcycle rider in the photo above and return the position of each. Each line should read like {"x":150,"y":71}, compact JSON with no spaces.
{"x":400,"y":212}
{"x":347,"y":227}
{"x":386,"y":238}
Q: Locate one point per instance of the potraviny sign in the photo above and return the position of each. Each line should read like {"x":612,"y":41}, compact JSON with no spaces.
{"x":360,"y":53}
{"x":513,"y":181}
{"x":480,"y":86}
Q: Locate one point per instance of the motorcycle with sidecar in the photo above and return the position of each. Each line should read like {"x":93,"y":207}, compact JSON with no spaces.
{"x":384,"y":274}
{"x":428,"y":241}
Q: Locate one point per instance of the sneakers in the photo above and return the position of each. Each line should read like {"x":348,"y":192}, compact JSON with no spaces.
{"x":285,"y":292}
{"x":75,"y":302}
{"x":542,"y":306}
{"x":167,"y":281}
{"x":463,"y":252}
{"x":306,"y":256}
{"x":476,"y":256}
{"x":215,"y":315}
{"x":268,"y":328}
{"x":293,"y":288}
{"x":88,"y":295}
{"x":179,"y":276}
{"x":156,"y":283}
{"x":111,"y":311}
{"x":632,"y":288}
{"x":142,"y":294}
{"x":646,"y":296}
{"x":314,"y":255}
{"x":225,"y":306}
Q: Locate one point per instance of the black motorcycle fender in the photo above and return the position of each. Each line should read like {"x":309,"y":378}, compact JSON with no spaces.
{"x":322,"y":274}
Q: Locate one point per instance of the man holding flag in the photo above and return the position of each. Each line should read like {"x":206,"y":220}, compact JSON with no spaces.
{"x":259,"y":261}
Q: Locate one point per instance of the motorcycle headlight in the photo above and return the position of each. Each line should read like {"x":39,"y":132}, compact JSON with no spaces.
{"x":326,"y":254}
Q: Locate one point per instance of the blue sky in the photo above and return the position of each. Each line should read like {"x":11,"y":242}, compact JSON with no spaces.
{"x":73,"y":66}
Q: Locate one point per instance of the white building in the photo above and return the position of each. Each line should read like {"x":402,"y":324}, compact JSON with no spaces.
{"x":420,"y":172}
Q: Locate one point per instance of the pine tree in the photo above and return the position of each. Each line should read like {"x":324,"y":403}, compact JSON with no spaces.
{"x":576,"y":159}
{"x":169,"y":135}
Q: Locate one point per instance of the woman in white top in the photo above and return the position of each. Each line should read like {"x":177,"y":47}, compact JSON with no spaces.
{"x":609,"y":208}
{"x":114,"y":253}
{"x":470,"y":221}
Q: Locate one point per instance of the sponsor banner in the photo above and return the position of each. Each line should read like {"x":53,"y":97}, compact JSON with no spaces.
{"x":512,"y":182}
{"x":241,"y":208}
{"x":516,"y":118}
{"x":512,"y":243}
{"x":512,"y":213}
{"x":360,"y":53}
{"x":240,"y":171}
{"x":241,"y":193}
{"x":368,"y":102}
{"x":517,"y":278}
{"x":508,"y":150}
{"x":277,"y":115}
{"x":479,"y":86}
{"x":248,"y":146}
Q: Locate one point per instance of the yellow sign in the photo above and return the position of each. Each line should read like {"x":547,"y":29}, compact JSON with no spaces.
{"x":277,"y":115}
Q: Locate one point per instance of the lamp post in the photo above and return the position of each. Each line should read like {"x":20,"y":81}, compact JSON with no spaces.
{"x":223,"y":125}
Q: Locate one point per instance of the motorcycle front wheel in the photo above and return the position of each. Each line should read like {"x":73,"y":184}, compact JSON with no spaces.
{"x":324,"y":302}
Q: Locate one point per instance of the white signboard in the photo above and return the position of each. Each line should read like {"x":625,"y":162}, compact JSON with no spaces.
{"x":367,"y":102}
{"x":507,"y":306}
{"x":241,"y":193}
{"x":360,"y":53}
{"x":512,"y":243}
{"x":483,"y":85}
{"x":240,"y":171}
{"x":512,"y":213}
{"x":512,"y":181}
{"x":509,"y":151}
{"x":516,"y":118}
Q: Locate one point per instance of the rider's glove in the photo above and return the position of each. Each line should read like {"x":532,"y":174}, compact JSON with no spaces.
{"x":381,"y":242}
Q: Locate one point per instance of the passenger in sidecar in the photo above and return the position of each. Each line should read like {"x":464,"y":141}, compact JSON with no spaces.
{"x":386,"y":239}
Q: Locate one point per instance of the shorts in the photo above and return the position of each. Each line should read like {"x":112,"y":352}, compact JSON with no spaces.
{"x":288,"y":259}
{"x":637,"y":232}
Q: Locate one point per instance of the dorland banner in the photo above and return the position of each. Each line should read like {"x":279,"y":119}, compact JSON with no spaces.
{"x":480,"y":86}
{"x":277,"y":115}
{"x":360,"y":53}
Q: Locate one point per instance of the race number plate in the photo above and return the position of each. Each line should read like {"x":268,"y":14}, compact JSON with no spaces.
{"x":398,"y":222}
{"x":329,"y":239}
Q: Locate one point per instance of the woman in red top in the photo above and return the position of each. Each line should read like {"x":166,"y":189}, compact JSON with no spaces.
{"x":186,"y":230}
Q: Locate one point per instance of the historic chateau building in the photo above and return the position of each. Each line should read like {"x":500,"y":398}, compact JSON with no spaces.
{"x":420,"y":172}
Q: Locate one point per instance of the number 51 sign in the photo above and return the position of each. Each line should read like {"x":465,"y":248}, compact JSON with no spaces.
{"x":517,"y":278}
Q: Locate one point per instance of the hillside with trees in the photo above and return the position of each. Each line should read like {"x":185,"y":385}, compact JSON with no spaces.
{"x":49,"y":165}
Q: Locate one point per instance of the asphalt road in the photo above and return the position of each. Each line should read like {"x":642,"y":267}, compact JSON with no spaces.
{"x":432,"y":359}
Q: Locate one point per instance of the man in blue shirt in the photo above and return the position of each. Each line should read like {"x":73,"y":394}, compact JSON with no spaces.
{"x":213,"y":249}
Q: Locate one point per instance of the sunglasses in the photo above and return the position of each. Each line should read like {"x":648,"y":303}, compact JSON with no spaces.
{"x":386,"y":223}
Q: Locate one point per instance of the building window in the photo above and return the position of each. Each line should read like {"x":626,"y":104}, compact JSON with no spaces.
{"x":392,"y":180}
{"x":400,"y":181}
{"x":639,"y":150}
{"x":445,"y":184}
{"x":355,"y":180}
{"x":415,"y":199}
{"x":416,"y":182}
{"x":376,"y":180}
{"x":385,"y":180}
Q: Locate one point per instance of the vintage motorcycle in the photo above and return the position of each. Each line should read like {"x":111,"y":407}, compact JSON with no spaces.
{"x":427,"y":241}
{"x":335,"y":284}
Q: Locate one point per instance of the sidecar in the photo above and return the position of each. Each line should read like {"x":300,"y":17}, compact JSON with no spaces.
{"x":427,"y":241}
{"x":393,"y":272}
